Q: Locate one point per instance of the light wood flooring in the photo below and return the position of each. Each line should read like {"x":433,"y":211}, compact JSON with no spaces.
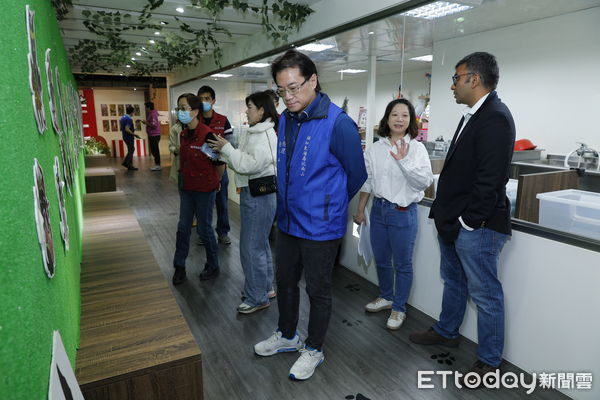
{"x":363,"y":360}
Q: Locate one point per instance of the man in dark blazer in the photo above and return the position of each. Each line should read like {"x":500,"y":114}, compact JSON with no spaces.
{"x":472,"y":213}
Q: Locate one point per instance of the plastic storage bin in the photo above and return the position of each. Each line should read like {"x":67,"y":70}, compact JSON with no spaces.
{"x":574,"y":211}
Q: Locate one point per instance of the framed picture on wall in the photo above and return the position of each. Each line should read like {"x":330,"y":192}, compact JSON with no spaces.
{"x":114,"y":125}
{"x":104,"y":110}
{"x":42,"y":219}
{"x":60,"y":193}
{"x":136,"y":110}
{"x":106,"y":125}
{"x":113,"y":110}
{"x":35,"y":80}
{"x":121,"y":108}
{"x":138,"y":125}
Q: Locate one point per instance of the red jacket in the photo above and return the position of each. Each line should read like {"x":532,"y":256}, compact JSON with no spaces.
{"x":198,"y":173}
{"x":217,"y":124}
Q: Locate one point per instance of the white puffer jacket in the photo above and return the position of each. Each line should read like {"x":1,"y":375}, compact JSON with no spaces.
{"x":253,"y":158}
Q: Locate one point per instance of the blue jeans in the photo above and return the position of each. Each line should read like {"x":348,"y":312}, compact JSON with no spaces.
{"x":221,"y":202}
{"x":200,"y":204}
{"x":393,"y":233}
{"x":255,"y":252}
{"x":469,"y":266}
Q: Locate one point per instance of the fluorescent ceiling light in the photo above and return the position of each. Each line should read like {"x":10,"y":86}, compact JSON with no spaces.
{"x":256,"y":65}
{"x":221,"y":75}
{"x":138,"y":54}
{"x":371,"y":33}
{"x":128,"y":66}
{"x":427,"y":58}
{"x":315,"y":47}
{"x":180,"y":10}
{"x":352,"y":71}
{"x":132,"y":58}
{"x":437,"y":9}
{"x":157,"y":33}
{"x":152,"y":41}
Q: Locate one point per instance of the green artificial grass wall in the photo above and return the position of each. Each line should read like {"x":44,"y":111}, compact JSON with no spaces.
{"x":32,"y":305}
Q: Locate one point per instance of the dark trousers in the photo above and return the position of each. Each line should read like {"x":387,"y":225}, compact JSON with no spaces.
{"x":221,"y":202}
{"x":293,"y":255}
{"x":153,"y":140}
{"x":128,"y":162}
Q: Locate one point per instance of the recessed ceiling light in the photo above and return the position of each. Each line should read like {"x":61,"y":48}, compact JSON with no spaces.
{"x":180,"y":10}
{"x":460,"y":19}
{"x":134,"y":89}
{"x":128,"y":66}
{"x":152,"y":41}
{"x":371,"y":33}
{"x":256,"y":65}
{"x":352,"y":71}
{"x":163,"y":23}
{"x":138,"y":54}
{"x":132,"y":58}
{"x":427,"y":58}
{"x":315,"y":47}
{"x":157,"y":33}
{"x":143,"y":48}
{"x":436,"y":9}
{"x":221,"y":75}
{"x":121,"y":74}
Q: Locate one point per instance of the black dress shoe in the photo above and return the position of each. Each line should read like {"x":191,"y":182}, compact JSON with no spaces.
{"x":209,"y":273}
{"x":431,"y":337}
{"x":179,"y":276}
{"x":132,"y":168}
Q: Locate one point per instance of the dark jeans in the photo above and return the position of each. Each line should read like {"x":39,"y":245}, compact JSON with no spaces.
{"x":221,"y":202}
{"x":200,"y":204}
{"x":153,"y":140}
{"x":316,"y":258}
{"x":128,"y":162}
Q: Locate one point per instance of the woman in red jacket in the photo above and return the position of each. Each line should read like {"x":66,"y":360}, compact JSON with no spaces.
{"x":199,"y":177}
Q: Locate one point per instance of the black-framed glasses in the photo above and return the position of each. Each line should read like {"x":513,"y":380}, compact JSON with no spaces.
{"x":456,"y":77}
{"x":292,"y":90}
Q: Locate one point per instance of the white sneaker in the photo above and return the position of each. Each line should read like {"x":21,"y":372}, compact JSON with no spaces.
{"x":271,"y":294}
{"x":378,"y":304}
{"x":156,"y":168}
{"x":395,"y":320}
{"x":305,"y":365}
{"x":277,"y":344}
{"x":245,"y":308}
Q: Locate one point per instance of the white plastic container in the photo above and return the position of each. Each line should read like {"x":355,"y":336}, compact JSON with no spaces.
{"x":574,"y":211}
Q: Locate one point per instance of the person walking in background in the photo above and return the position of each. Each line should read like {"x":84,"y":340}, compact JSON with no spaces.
{"x":320,"y":167}
{"x":399,"y":171}
{"x":472,"y":213}
{"x":198,"y":182}
{"x":128,"y":132}
{"x":153,"y":131}
{"x":219,"y":124}
{"x":254,"y":158}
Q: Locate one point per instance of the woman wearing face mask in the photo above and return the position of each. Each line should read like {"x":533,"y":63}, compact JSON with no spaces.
{"x":198,"y":182}
{"x":254,"y":158}
{"x":399,"y":171}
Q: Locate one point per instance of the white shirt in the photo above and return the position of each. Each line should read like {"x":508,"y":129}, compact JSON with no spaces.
{"x":398,"y":181}
{"x":468,"y":113}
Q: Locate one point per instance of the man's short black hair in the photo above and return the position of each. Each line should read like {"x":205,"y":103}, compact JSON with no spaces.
{"x":485,"y":65}
{"x":129,"y":109}
{"x":209,"y":90}
{"x":295,"y":59}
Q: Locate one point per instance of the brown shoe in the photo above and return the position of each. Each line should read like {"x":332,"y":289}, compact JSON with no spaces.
{"x":480,"y":369}
{"x":431,"y":337}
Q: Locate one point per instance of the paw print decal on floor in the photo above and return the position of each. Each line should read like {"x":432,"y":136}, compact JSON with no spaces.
{"x":353,"y":287}
{"x":443,"y":358}
{"x":352,"y":323}
{"x":357,"y":397}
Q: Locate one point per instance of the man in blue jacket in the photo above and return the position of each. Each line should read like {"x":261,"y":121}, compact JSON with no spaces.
{"x":320,"y":167}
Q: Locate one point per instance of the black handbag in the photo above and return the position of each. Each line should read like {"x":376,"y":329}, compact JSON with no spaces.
{"x":265,"y":184}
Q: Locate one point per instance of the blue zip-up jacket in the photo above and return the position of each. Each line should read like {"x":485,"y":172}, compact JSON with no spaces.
{"x":320,"y":166}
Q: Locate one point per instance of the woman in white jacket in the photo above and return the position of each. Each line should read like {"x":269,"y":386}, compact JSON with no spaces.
{"x":399,"y":171}
{"x":254,"y":158}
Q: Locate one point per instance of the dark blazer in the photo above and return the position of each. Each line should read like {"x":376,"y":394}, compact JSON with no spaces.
{"x":473,"y":180}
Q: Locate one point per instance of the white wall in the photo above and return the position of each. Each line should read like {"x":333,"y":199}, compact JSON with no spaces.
{"x":111,"y":96}
{"x":551,"y":299}
{"x":549,"y":78}
{"x":386,"y":88}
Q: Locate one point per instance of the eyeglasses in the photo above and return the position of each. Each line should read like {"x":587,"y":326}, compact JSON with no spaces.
{"x":456,"y":77}
{"x":292,"y":90}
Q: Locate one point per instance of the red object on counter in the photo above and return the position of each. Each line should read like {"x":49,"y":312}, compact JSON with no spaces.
{"x":524,"y":144}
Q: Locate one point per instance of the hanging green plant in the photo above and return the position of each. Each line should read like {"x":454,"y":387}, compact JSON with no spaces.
{"x":179,"y":50}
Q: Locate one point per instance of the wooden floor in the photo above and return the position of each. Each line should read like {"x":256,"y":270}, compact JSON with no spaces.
{"x":363,"y":360}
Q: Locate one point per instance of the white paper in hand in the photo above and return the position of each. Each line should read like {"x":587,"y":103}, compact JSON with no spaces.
{"x":364,"y":240}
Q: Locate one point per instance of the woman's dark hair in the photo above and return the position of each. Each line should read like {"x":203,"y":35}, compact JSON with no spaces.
{"x":192,"y":100}
{"x":273,"y":94}
{"x":295,"y":59}
{"x":384,"y":129}
{"x":149,"y":105}
{"x":129,"y":109}
{"x":264,"y":101}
